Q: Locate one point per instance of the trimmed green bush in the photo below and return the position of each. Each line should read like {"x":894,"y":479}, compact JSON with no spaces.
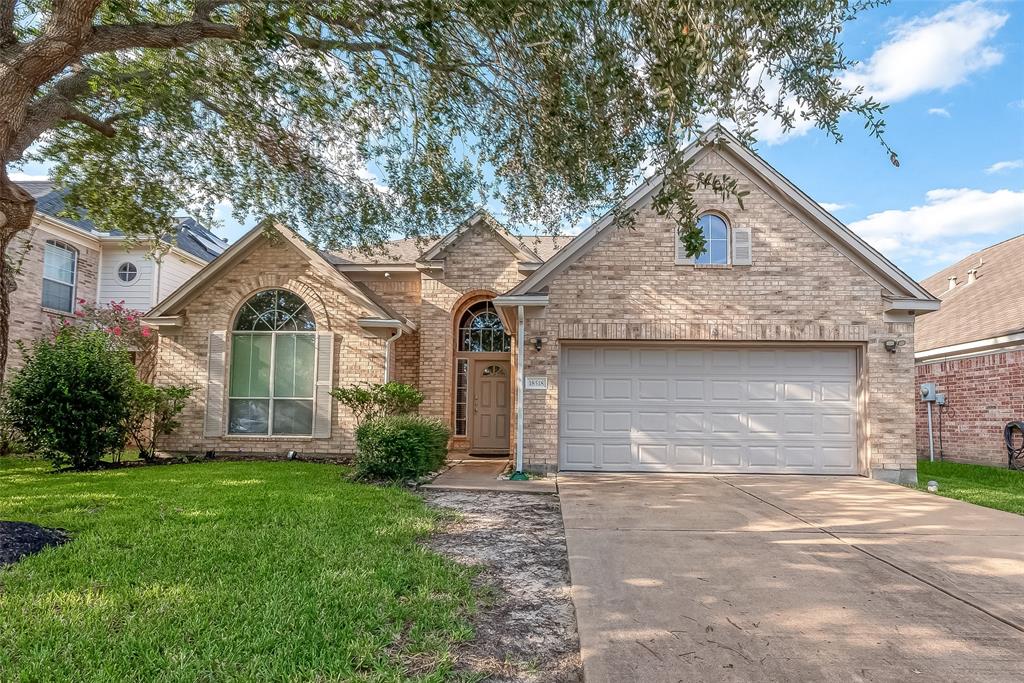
{"x":400,"y":446}
{"x":370,"y":401}
{"x":71,"y":399}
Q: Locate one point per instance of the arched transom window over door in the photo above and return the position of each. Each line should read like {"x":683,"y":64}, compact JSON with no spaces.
{"x":273,"y":366}
{"x":480,"y":330}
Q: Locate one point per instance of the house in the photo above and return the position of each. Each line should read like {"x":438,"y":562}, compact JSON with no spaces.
{"x":973,"y":350}
{"x":63,"y":261}
{"x":787,"y":347}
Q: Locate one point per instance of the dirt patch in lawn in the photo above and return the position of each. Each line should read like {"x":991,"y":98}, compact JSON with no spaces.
{"x":18,"y":539}
{"x":526,"y":626}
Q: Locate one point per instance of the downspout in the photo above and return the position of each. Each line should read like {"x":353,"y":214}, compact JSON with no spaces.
{"x":387,"y":353}
{"x":519,"y":475}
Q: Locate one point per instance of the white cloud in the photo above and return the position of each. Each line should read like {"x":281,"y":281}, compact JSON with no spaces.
{"x":939,"y":111}
{"x":932,"y":53}
{"x":832,"y":207}
{"x":1001,"y":166}
{"x":945,"y":223}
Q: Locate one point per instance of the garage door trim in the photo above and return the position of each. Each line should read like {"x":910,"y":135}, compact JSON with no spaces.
{"x":658,"y":452}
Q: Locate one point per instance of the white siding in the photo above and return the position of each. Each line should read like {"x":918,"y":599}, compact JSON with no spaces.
{"x":138,"y":293}
{"x":174,"y":272}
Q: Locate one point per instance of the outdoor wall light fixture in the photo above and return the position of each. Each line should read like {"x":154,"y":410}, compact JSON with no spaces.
{"x":537,"y":343}
{"x":892,"y":344}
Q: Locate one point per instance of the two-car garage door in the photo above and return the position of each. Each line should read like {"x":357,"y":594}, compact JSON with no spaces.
{"x":700,"y":409}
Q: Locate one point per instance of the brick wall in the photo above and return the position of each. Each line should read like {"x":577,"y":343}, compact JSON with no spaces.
{"x":29,"y":319}
{"x":401,"y":293}
{"x":477,"y":262}
{"x":983,"y":394}
{"x":799,"y":289}
{"x":358,"y":356}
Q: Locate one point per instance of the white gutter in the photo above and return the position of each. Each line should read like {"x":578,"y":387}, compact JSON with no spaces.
{"x":521,"y":381}
{"x":967,"y":348}
{"x":387,"y":352}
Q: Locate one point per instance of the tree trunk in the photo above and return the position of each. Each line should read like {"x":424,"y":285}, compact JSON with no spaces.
{"x":16,"y":210}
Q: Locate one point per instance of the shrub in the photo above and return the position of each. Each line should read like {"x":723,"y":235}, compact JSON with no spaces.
{"x":10,"y":439}
{"x":370,"y":401}
{"x":400,"y":446}
{"x":153,"y":413}
{"x":70,"y":399}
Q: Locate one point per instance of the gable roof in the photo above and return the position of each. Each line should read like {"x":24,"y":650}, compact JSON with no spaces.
{"x":192,"y":287}
{"x":901,"y":286}
{"x":991,"y":306}
{"x":535,"y":248}
{"x":186,"y":233}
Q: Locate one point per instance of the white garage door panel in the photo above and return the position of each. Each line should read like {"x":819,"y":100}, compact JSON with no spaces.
{"x":709,"y":410}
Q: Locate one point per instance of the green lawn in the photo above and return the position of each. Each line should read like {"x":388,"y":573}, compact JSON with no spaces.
{"x":992,"y":487}
{"x":225,"y":571}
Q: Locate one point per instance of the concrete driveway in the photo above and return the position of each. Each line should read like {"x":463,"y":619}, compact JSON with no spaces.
{"x":783,"y":578}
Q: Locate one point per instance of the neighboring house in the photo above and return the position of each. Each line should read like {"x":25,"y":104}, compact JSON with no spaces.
{"x":607,"y":352}
{"x":62,"y":261}
{"x":973,"y":349}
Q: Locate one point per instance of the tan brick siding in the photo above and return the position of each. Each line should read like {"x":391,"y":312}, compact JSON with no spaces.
{"x":982,"y":394}
{"x":477,"y":262}
{"x":799,"y":289}
{"x":29,"y":320}
{"x":358,"y":356}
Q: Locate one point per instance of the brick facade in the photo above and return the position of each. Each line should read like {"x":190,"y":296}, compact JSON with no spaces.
{"x":625,"y":287}
{"x":983,"y":393}
{"x":29,"y":320}
{"x":358,"y":356}
{"x":798,"y":290}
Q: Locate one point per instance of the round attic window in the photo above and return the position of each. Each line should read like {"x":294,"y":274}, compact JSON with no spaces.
{"x":127,"y":272}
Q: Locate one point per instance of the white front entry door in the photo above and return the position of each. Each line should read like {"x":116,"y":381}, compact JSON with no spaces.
{"x":704,"y":409}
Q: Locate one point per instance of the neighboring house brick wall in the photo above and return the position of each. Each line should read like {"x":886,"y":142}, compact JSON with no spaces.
{"x":799,"y":289}
{"x":29,"y":320}
{"x":477,"y":261}
{"x":983,"y":393}
{"x":358,"y":356}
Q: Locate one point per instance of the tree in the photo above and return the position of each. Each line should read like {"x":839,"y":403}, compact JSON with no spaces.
{"x":551,"y":107}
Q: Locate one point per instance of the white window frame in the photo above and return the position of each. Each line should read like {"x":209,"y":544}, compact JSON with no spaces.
{"x":683,"y":260}
{"x":57,"y":244}
{"x":273,"y":362}
{"x":271,"y":398}
{"x":135,"y":273}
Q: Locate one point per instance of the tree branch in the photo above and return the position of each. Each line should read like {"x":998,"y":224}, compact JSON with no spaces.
{"x":73,"y":113}
{"x":7,"y":23}
{"x":113,"y":37}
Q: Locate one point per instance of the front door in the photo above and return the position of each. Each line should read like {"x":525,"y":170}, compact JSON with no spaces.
{"x":490,"y":406}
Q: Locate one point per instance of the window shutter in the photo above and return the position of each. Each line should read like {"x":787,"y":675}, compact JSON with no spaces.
{"x":213,"y":424}
{"x":681,"y":256}
{"x":741,"y":247}
{"x":324,"y":374}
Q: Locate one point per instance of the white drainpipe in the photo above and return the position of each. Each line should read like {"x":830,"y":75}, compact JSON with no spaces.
{"x":521,"y":380}
{"x":387,"y":353}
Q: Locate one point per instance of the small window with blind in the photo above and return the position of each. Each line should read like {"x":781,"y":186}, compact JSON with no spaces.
{"x":60,"y":270}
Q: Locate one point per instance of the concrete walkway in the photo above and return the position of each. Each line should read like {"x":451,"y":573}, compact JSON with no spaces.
{"x":482,"y":474}
{"x":784,"y":578}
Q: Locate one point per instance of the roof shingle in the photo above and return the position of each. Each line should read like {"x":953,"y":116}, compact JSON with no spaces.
{"x":991,"y":306}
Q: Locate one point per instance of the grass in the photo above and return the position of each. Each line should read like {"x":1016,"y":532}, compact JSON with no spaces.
{"x":225,"y":571}
{"x":991,"y":487}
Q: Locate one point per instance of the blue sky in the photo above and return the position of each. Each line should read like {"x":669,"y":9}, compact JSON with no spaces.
{"x":953,"y":75}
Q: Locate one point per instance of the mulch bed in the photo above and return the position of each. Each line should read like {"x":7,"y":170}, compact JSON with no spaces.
{"x":18,"y":539}
{"x":526,"y":628}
